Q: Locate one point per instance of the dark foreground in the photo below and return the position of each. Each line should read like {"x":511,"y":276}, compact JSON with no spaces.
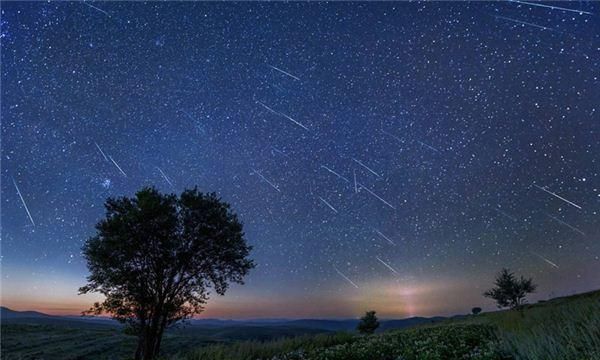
{"x":563,"y":328}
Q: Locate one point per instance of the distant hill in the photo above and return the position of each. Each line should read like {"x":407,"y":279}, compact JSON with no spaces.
{"x":6,"y":313}
{"x":284,"y":325}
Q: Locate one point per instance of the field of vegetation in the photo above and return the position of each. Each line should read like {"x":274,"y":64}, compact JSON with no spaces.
{"x":564,"y":328}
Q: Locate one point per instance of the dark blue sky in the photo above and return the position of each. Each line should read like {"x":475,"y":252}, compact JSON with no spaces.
{"x":472,"y":130}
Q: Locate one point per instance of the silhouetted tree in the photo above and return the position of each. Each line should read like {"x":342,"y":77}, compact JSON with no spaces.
{"x":510,"y":291}
{"x":155,"y":256}
{"x":368,"y":323}
{"x":476,"y":310}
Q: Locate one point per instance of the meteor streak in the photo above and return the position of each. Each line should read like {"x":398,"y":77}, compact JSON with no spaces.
{"x":345,"y":277}
{"x":385,"y":237}
{"x":23,"y":201}
{"x":284,"y":115}
{"x":505,"y":214}
{"x":335,"y":173}
{"x":526,"y":23}
{"x":546,"y":260}
{"x":387,"y":265}
{"x":566,"y":224}
{"x":266,"y":180}
{"x":558,"y":196}
{"x":117,"y":165}
{"x":377,"y":196}
{"x":328,"y":204}
{"x":428,"y":146}
{"x":164,"y":176}
{"x":101,"y":152}
{"x":366,"y":167}
{"x":284,"y":72}
{"x":580,"y":12}
{"x":97,"y":8}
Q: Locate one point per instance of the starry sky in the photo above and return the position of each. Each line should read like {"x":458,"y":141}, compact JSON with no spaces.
{"x":392,"y":156}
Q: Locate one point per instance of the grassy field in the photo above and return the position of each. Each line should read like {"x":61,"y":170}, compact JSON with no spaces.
{"x":57,"y":339}
{"x":565,"y":328}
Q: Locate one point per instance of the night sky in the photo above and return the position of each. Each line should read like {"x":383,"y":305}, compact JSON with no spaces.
{"x":392,"y":156}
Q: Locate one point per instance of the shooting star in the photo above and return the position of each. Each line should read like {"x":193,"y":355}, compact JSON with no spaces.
{"x":284,"y":72}
{"x":558,"y":196}
{"x":97,"y":8}
{"x":328,"y":204}
{"x":266,"y":107}
{"x":366,"y":167}
{"x":266,"y":180}
{"x":566,"y":224}
{"x":294,"y":121}
{"x":580,"y":12}
{"x":377,"y":196}
{"x":23,"y":201}
{"x":284,"y":115}
{"x":117,"y":165}
{"x":345,"y":277}
{"x":165,"y":176}
{"x":385,"y":237}
{"x":335,"y":173}
{"x":525,"y":23}
{"x":387,"y":265}
{"x":428,"y":146}
{"x":101,"y":152}
{"x":505,"y":214}
{"x":392,"y":135}
{"x":546,"y":260}
{"x":355,"y":187}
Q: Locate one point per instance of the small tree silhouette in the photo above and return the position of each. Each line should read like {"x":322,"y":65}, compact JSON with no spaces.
{"x":368,"y":323}
{"x":476,"y":310}
{"x":510,"y":291}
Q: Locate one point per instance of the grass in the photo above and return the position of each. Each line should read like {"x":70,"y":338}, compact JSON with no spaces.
{"x":246,"y":350}
{"x":564,"y":328}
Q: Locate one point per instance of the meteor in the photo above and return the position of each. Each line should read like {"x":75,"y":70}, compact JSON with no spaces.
{"x":558,"y":196}
{"x":335,"y":173}
{"x":101,"y":152}
{"x":566,"y":224}
{"x":386,"y":265}
{"x":328,"y":204}
{"x":117,"y":165}
{"x":580,"y":12}
{"x":284,"y":72}
{"x":525,"y":23}
{"x":377,"y":196}
{"x":366,"y":167}
{"x":546,"y":260}
{"x":345,"y":277}
{"x":164,"y":176}
{"x":266,"y":180}
{"x":23,"y":201}
{"x":385,"y":237}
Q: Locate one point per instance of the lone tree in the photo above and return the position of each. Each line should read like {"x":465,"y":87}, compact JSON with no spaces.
{"x":368,"y":323}
{"x":510,"y":291}
{"x":476,"y":310}
{"x":155,"y":257}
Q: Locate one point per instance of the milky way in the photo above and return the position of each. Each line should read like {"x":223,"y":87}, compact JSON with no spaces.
{"x":389,"y":155}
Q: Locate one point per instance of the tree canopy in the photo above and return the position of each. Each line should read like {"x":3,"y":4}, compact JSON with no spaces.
{"x":368,"y":323}
{"x":510,"y":291}
{"x":155,"y":257}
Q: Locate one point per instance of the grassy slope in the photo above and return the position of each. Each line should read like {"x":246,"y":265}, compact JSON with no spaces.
{"x":563,"y":328}
{"x":54,"y":339}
